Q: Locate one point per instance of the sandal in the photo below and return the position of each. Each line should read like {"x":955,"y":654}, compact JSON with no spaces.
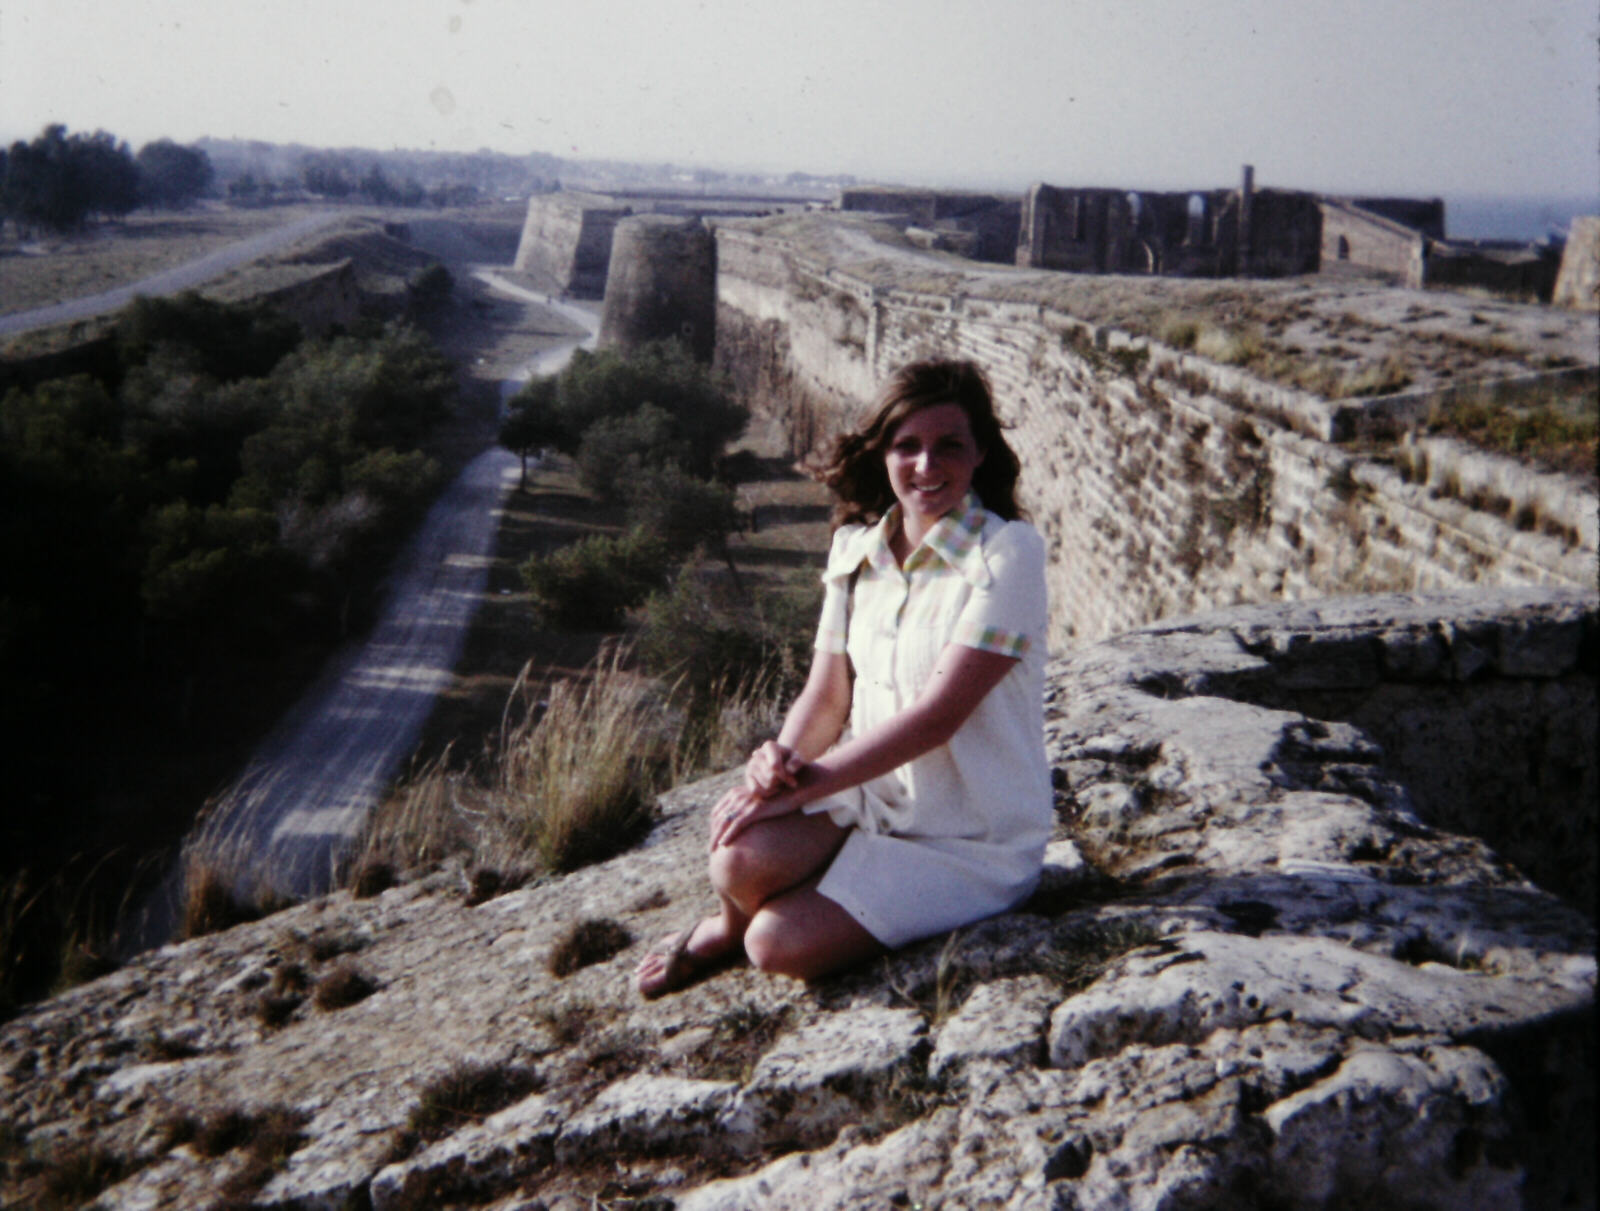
{"x":682,"y":967}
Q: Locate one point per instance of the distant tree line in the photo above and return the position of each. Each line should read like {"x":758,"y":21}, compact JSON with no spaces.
{"x":178,"y":534}
{"x":263,"y":172}
{"x":59,"y":180}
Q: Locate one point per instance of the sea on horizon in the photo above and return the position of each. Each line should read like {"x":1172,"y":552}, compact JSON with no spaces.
{"x":1527,"y":217}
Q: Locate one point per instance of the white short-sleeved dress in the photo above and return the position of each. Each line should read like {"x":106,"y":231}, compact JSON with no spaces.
{"x":959,"y":833}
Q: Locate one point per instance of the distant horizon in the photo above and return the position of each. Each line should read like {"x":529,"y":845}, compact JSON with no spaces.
{"x":1469,"y":214}
{"x":1408,"y":97}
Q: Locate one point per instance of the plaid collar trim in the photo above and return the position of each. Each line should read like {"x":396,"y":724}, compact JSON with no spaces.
{"x":956,"y":538}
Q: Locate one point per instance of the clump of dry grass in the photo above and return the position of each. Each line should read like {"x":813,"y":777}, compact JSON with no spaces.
{"x":1392,"y":374}
{"x":466,"y":1092}
{"x":225,"y":882}
{"x":266,"y":1137}
{"x":343,"y":986}
{"x":578,"y":774}
{"x":71,"y":1175}
{"x":1559,"y":431}
{"x":590,"y":941}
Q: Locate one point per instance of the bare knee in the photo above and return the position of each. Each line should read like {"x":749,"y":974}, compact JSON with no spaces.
{"x":772,"y":948}
{"x":739,"y":876}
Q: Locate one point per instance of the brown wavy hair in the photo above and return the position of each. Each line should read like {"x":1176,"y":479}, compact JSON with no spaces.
{"x":857,"y":473}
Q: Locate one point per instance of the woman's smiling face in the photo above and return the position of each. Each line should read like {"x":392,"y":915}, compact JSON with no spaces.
{"x":930,"y":461}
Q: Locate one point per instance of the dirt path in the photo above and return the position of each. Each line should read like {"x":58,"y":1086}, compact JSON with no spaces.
{"x":311,"y":783}
{"x":169,"y":281}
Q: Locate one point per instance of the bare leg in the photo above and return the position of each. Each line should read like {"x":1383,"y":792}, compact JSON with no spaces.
{"x":766,"y":860}
{"x":804,"y":934}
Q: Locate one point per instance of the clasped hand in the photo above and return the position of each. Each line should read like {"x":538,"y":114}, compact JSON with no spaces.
{"x":770,"y":777}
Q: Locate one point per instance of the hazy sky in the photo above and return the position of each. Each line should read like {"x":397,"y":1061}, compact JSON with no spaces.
{"x":1435,"y":96}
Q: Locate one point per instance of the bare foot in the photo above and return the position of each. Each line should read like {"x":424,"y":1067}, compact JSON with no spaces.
{"x":680,"y":960}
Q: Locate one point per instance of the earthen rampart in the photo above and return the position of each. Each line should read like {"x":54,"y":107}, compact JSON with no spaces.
{"x":319,"y":298}
{"x":1163,"y":483}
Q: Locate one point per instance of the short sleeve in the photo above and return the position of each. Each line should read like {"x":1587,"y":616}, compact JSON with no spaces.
{"x":831,"y":630}
{"x":1010,"y":615}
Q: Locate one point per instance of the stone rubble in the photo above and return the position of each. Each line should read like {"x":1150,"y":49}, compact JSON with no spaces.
{"x":1257,"y":973}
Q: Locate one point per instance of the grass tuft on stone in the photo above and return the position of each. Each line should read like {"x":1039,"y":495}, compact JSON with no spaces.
{"x":467,"y":1092}
{"x":590,"y":941}
{"x":580,"y":773}
{"x":342,"y":987}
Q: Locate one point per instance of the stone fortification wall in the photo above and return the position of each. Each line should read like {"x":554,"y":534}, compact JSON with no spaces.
{"x":1221,"y":232}
{"x":1502,"y":265}
{"x":662,"y":283}
{"x":1163,"y":484}
{"x":1353,"y":235}
{"x":981,"y":226}
{"x":566,"y":239}
{"x":1421,"y":214}
{"x":1578,"y":284}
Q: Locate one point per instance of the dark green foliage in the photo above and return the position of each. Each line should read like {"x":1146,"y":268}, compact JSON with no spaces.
{"x":217,"y":566}
{"x":59,"y":180}
{"x":713,"y":638}
{"x":615,"y":449}
{"x":221,"y":341}
{"x":720,"y":647}
{"x":171,"y":174}
{"x":590,"y":941}
{"x":684,"y":512}
{"x":533,"y":423}
{"x":191,"y":527}
{"x":614,"y":383}
{"x":430,"y":289}
{"x":592,"y":583}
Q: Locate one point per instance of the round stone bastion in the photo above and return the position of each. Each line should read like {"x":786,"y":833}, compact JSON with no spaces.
{"x":663,"y":283}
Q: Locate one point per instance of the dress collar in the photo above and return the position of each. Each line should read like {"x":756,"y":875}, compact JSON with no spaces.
{"x":956,"y":538}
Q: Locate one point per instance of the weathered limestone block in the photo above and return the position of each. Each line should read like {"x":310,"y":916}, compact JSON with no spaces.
{"x":349,"y":1141}
{"x":477,"y":1158}
{"x":847,"y":1176}
{"x":1003,"y":1021}
{"x":1403,"y":1120}
{"x":1216,"y":981}
{"x":644,"y":1113}
{"x":837,"y":1071}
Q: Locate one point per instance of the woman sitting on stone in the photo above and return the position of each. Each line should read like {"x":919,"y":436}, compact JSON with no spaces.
{"x":907,"y":792}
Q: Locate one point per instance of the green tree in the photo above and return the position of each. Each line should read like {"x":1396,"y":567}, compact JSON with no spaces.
{"x":224,"y":341}
{"x":683,"y":511}
{"x":614,"y":383}
{"x":430,"y":290}
{"x":58,"y":180}
{"x":171,"y":174}
{"x":592,"y":583}
{"x":532,"y":423}
{"x":614,"y":449}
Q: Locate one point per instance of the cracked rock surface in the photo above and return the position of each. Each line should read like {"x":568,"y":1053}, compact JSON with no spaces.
{"x":1314,"y":933}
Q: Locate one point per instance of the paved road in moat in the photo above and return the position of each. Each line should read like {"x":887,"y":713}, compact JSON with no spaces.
{"x":310,"y":785}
